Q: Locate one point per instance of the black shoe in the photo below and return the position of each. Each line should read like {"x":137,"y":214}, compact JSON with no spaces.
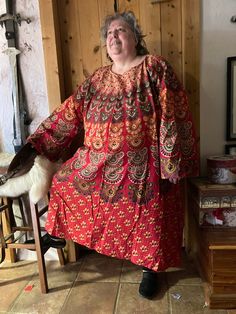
{"x":55,"y":242}
{"x":50,"y":241}
{"x":149,"y":284}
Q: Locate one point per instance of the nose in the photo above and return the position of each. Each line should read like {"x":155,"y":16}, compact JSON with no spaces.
{"x":113,"y":33}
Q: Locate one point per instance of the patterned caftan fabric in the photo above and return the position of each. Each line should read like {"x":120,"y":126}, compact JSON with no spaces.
{"x":112,"y":195}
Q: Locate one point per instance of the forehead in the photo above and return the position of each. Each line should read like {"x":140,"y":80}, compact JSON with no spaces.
{"x":118,"y":22}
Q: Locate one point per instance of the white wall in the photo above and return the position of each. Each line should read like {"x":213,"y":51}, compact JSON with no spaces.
{"x":218,"y":41}
{"x":32,"y":68}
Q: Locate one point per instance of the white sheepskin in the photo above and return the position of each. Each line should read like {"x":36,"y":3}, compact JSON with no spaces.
{"x":36,"y":182}
{"x":5,"y":159}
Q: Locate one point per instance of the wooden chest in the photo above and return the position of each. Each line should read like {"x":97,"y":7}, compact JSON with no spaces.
{"x":216,"y":258}
{"x":214,"y":248}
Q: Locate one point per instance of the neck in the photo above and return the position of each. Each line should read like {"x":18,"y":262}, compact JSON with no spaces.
{"x":121,"y":66}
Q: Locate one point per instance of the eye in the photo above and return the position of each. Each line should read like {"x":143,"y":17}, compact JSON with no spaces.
{"x":121,"y":29}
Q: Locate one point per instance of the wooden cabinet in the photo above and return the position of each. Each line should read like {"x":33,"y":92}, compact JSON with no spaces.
{"x":213,"y":246}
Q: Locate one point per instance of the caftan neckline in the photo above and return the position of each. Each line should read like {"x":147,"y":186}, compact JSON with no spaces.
{"x":128,"y":71}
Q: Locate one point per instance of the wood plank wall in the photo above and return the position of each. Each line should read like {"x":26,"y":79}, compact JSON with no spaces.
{"x":52,"y":52}
{"x":171,"y":28}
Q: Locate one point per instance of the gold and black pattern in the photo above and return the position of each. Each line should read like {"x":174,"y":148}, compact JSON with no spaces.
{"x":113,"y":169}
{"x":115,"y":143}
{"x":135,"y":135}
{"x":138,"y":170}
{"x":83,"y":186}
{"x":141,"y":194}
{"x":185,"y":130}
{"x":63,"y":173}
{"x":118,"y":114}
{"x":113,"y":175}
{"x":80,"y":160}
{"x":151,"y":129}
{"x":115,"y":160}
{"x":111,"y":193}
{"x":89,"y":172}
{"x":138,"y":174}
{"x":155,"y":156}
{"x":138,"y":158}
{"x":96,"y":158}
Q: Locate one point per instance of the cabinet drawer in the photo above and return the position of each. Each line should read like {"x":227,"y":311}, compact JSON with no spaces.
{"x":224,"y":260}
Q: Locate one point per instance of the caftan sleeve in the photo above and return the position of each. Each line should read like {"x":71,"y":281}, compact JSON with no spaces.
{"x":54,"y":135}
{"x":177,"y":138}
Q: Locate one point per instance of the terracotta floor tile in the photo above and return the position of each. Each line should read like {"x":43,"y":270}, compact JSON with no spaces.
{"x":91,"y":298}
{"x":101,"y":268}
{"x":183,"y":277}
{"x":35,"y":302}
{"x":131,"y":273}
{"x":9,"y":292}
{"x":21,"y":269}
{"x":57,"y":272}
{"x":191,"y":300}
{"x":130,"y":302}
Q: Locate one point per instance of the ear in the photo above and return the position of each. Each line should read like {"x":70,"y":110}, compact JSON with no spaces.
{"x":135,"y":38}
{"x":109,"y":58}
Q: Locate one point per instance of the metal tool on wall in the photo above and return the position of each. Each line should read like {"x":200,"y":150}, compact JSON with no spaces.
{"x":20,"y":120}
{"x":233,"y":19}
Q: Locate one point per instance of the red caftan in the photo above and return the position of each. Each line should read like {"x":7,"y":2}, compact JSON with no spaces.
{"x":111,"y":196}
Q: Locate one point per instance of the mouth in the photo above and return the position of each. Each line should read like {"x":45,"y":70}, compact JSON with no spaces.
{"x":115,"y":43}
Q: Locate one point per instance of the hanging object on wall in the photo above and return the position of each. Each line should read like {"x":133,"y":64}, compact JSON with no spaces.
{"x":115,"y":6}
{"x":20,"y":118}
{"x":233,"y":19}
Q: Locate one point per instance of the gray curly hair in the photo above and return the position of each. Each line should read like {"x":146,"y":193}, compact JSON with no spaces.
{"x":131,"y":20}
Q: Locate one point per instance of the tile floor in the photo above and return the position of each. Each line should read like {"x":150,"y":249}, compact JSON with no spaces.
{"x":99,"y":285}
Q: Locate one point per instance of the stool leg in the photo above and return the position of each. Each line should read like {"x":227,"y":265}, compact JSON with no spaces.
{"x":39,"y":249}
{"x":9,"y":222}
{"x":61,"y":257}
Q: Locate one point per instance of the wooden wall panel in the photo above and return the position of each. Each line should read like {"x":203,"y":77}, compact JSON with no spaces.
{"x":80,"y":24}
{"x":129,"y":5}
{"x":90,"y":36}
{"x":150,"y":22}
{"x":106,"y":7}
{"x":52,"y":52}
{"x":71,"y":43}
{"x":171,"y":36}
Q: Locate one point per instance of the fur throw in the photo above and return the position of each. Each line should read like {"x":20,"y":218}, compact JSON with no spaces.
{"x":5,"y":159}
{"x":36,"y":182}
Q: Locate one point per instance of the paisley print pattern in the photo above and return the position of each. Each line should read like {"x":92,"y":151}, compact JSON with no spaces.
{"x":113,"y":195}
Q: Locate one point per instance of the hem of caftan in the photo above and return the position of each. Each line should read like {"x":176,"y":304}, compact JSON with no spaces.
{"x":160,"y":268}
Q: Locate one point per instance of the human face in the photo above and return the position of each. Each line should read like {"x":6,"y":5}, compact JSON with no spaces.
{"x":120,"y":41}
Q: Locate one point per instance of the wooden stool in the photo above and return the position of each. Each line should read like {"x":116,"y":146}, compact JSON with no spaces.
{"x":11,"y":241}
